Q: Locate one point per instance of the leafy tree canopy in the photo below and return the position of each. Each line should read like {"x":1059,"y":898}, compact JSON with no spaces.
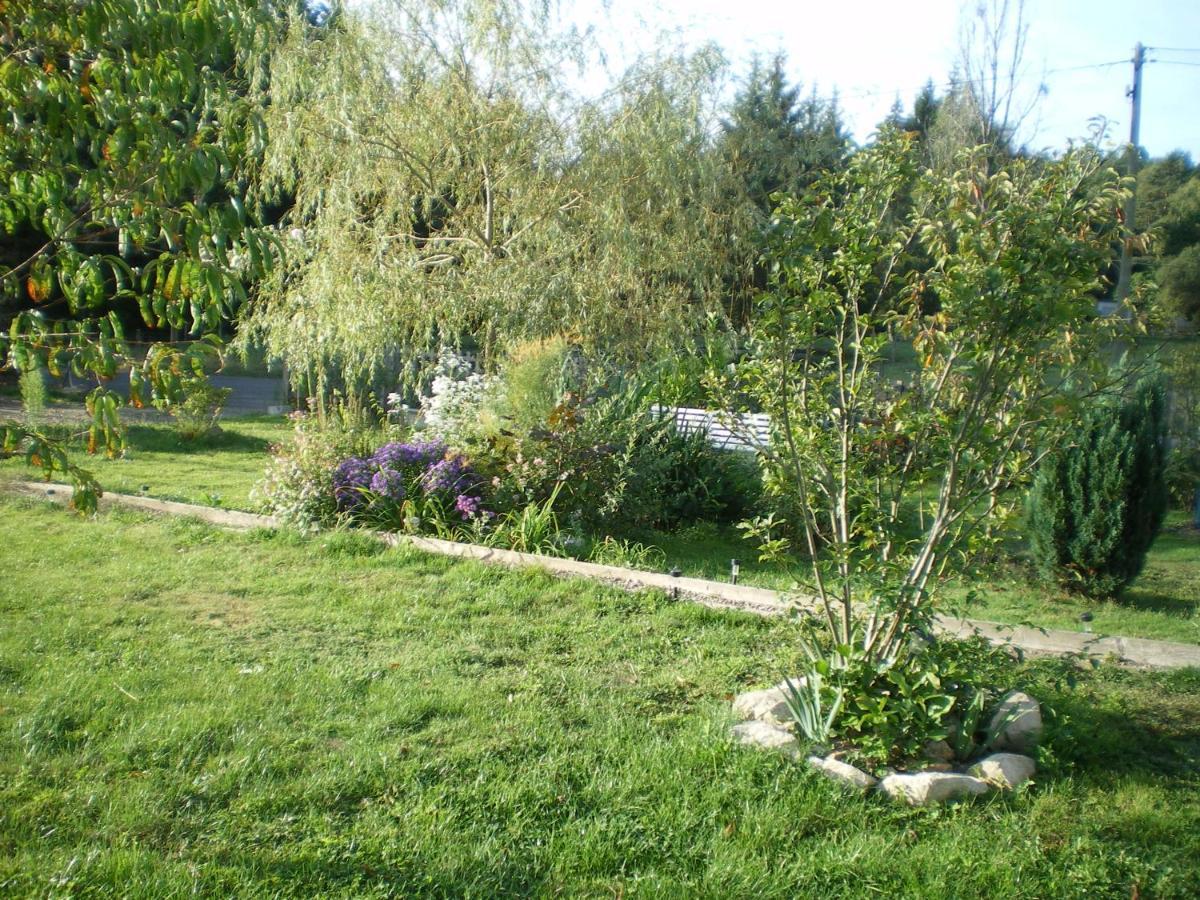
{"x":125,"y":133}
{"x":450,"y":184}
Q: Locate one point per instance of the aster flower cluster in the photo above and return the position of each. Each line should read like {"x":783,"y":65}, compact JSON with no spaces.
{"x":420,"y":470}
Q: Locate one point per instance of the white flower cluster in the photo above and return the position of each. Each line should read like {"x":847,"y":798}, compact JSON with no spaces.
{"x":458,"y":393}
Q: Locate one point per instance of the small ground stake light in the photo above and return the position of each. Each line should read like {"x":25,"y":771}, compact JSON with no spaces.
{"x":1086,"y":619}
{"x":675,"y":573}
{"x":735,"y":566}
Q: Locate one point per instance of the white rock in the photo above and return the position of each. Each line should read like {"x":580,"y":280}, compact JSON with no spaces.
{"x":766,"y":705}
{"x":843,"y":773}
{"x":924,"y":788}
{"x":1016,"y":725}
{"x":1004,"y":770}
{"x":760,"y":734}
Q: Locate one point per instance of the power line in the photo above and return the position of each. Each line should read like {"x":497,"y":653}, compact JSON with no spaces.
{"x":1177,"y":49}
{"x":1115,"y":62}
{"x":945,"y":85}
{"x":1173,"y":62}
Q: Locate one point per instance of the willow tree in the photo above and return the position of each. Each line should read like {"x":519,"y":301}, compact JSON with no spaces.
{"x":449,"y":183}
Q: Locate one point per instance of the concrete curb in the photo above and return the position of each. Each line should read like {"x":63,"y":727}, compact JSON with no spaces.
{"x":715,"y":594}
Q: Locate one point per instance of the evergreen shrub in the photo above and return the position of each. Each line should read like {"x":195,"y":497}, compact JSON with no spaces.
{"x":1097,"y":505}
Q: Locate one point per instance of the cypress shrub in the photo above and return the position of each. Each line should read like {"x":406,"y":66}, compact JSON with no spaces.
{"x":1096,"y":506}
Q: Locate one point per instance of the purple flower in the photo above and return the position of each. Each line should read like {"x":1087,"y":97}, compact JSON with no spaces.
{"x":452,"y":474}
{"x":398,"y":456}
{"x":467,"y":505}
{"x":388,"y":483}
{"x":351,"y":479}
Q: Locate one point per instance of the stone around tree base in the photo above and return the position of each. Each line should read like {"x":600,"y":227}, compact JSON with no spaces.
{"x":1004,"y":770}
{"x":932,"y":787}
{"x":768,"y":737}
{"x":1016,"y":725}
{"x":843,"y":773}
{"x":766,"y":705}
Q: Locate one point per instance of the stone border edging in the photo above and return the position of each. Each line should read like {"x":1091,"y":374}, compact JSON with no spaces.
{"x":715,"y":594}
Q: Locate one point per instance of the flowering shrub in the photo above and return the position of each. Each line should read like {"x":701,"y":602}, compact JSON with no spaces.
{"x":298,"y":486}
{"x":457,"y":395}
{"x":406,"y":484}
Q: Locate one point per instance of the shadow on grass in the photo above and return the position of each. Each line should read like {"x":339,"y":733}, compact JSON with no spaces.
{"x":164,"y":439}
{"x":1154,"y":601}
{"x":1130,"y":731}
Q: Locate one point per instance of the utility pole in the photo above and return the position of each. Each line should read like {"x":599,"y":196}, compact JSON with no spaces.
{"x":1134,"y":158}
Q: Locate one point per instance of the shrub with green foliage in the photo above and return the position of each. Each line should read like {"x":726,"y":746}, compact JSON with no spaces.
{"x":1097,"y":505}
{"x":196,"y":414}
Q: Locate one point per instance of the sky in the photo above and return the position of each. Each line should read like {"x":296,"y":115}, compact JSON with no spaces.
{"x":873,"y":51}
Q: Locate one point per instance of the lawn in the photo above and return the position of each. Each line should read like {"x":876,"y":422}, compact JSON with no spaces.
{"x":219,"y":470}
{"x":1163,"y":603}
{"x":185,"y":710}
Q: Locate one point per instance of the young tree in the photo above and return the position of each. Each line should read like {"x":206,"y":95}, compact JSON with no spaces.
{"x":891,"y":484}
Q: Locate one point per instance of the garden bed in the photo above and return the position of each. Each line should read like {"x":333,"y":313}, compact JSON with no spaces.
{"x":760,"y":601}
{"x":221,"y":471}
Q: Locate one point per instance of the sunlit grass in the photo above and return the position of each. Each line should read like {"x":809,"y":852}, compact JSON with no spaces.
{"x":185,"y":710}
{"x":219,"y":470}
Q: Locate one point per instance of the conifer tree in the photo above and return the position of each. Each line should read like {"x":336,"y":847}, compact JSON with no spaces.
{"x":1097,"y":506}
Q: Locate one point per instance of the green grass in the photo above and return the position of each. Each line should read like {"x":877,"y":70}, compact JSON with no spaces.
{"x":1163,"y":603}
{"x":189,"y":711}
{"x":219,"y":470}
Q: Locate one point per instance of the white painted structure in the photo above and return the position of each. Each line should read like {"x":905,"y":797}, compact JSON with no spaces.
{"x":745,"y":432}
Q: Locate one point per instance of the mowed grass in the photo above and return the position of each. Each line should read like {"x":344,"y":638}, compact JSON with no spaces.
{"x":1163,"y":603}
{"x":219,"y":470}
{"x":222,"y":470}
{"x":189,"y":711}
